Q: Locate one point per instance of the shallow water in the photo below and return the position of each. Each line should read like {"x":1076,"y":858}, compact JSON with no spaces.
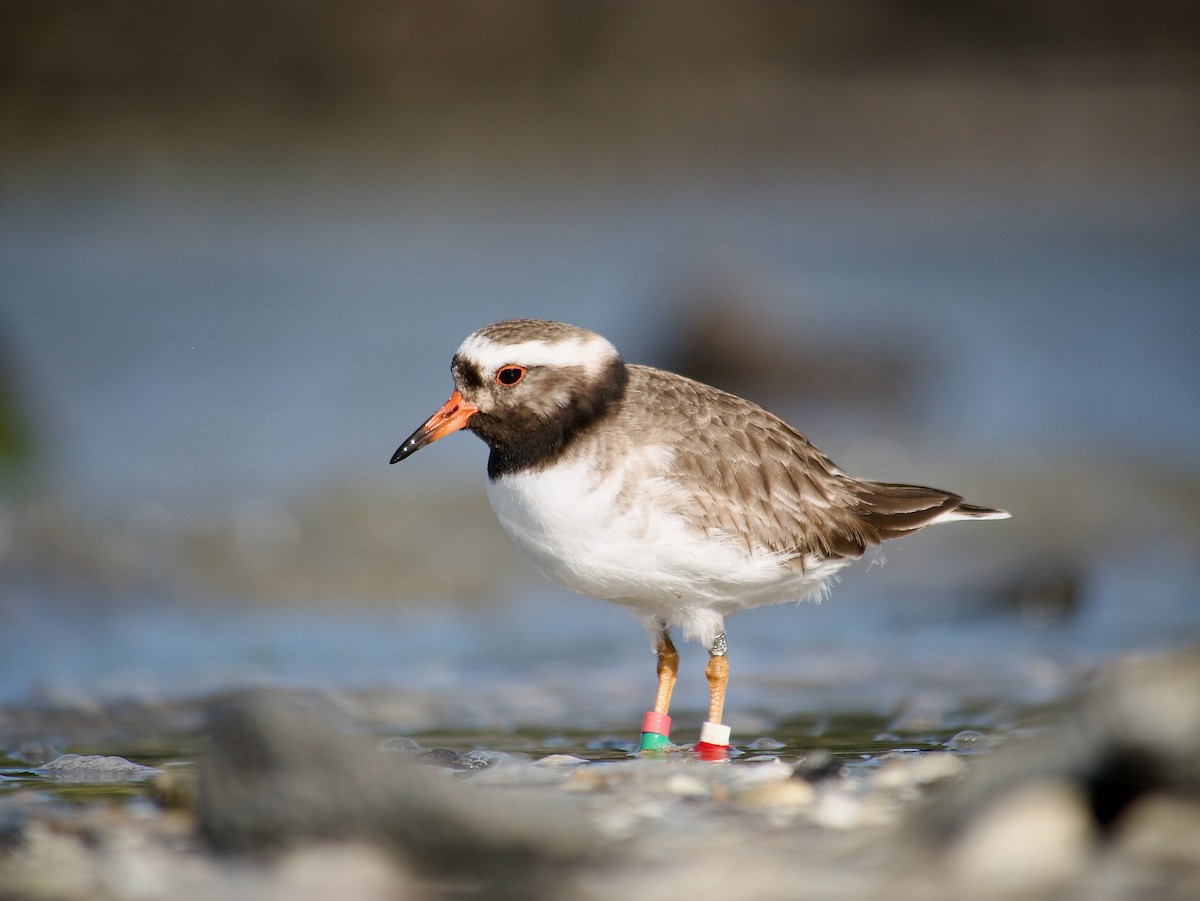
{"x":199,"y":338}
{"x":551,"y":657}
{"x":197,"y":345}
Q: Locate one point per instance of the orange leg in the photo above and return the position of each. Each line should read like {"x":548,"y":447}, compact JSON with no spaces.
{"x":714,"y":737}
{"x":717,"y":672}
{"x":668,"y":669}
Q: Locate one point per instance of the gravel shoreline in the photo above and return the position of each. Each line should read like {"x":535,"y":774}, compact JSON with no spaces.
{"x":288,"y":800}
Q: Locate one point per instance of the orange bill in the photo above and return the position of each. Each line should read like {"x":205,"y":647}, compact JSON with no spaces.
{"x":454,"y":415}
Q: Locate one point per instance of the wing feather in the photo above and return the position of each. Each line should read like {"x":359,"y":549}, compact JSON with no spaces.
{"x":745,"y":474}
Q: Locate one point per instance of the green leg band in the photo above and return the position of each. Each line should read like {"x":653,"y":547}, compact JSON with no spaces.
{"x":652,"y":741}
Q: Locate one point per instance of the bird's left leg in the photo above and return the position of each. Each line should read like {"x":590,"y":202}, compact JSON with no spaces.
{"x":712,"y":733}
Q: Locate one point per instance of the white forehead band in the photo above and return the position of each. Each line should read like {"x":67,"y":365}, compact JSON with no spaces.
{"x":592,"y":353}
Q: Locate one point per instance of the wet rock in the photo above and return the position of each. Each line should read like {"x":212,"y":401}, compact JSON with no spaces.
{"x":442,"y":757}
{"x":94,"y":768}
{"x":765,"y":744}
{"x":482,"y":758}
{"x":969,"y":742}
{"x":278,"y":774}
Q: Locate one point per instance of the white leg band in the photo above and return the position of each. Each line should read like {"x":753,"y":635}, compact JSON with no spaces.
{"x":715,"y":734}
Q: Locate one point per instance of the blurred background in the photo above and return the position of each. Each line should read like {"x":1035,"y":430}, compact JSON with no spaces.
{"x":954,"y":243}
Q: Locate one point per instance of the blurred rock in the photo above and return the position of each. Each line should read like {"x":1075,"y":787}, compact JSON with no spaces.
{"x":719,"y":338}
{"x":783,"y":793}
{"x":38,"y":752}
{"x":174,"y":788}
{"x":1116,"y":765}
{"x":443,"y":757}
{"x":1031,"y":840}
{"x":279,"y":774}
{"x":357,"y":871}
{"x":1044,"y":593}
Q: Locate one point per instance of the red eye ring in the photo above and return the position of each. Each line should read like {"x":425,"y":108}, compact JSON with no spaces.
{"x":508,"y":376}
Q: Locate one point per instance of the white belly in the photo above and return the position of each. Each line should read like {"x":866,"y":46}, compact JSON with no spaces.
{"x":584,"y":533}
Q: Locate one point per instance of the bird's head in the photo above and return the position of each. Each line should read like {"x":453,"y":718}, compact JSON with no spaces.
{"x":525,"y":386}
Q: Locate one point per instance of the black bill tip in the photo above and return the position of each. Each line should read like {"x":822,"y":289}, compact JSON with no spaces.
{"x":407,"y":449}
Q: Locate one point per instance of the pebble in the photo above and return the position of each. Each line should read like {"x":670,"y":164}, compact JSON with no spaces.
{"x":687,"y":785}
{"x":765,"y":744}
{"x":818,"y":765}
{"x":481,"y":758}
{"x":783,"y":793}
{"x":770,"y":770}
{"x":443,"y":757}
{"x":94,"y":768}
{"x":360,"y":823}
{"x":918,"y":769}
{"x":969,"y":742}
{"x":517,"y":772}
{"x":838,"y":809}
{"x":559,"y":760}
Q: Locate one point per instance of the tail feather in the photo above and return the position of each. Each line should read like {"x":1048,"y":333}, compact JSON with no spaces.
{"x":890,"y":510}
{"x":973,"y":511}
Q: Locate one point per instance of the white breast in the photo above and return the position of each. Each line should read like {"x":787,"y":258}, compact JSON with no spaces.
{"x":617,"y":537}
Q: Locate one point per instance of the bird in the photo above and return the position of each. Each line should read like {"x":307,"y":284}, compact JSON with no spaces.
{"x":676,"y":500}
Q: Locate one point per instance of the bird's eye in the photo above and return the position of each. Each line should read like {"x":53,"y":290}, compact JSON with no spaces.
{"x":510,"y":375}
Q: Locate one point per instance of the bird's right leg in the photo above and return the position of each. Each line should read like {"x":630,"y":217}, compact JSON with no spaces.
{"x":714,"y":737}
{"x":656,"y":725}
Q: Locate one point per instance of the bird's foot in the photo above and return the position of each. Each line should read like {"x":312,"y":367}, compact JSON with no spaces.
{"x":714,"y":742}
{"x":656,"y":731}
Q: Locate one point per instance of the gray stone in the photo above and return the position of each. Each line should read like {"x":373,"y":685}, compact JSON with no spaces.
{"x":278,"y":773}
{"x":94,"y":768}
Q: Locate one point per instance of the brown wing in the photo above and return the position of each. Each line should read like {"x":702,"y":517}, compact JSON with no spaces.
{"x":765,"y":482}
{"x":768,"y":484}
